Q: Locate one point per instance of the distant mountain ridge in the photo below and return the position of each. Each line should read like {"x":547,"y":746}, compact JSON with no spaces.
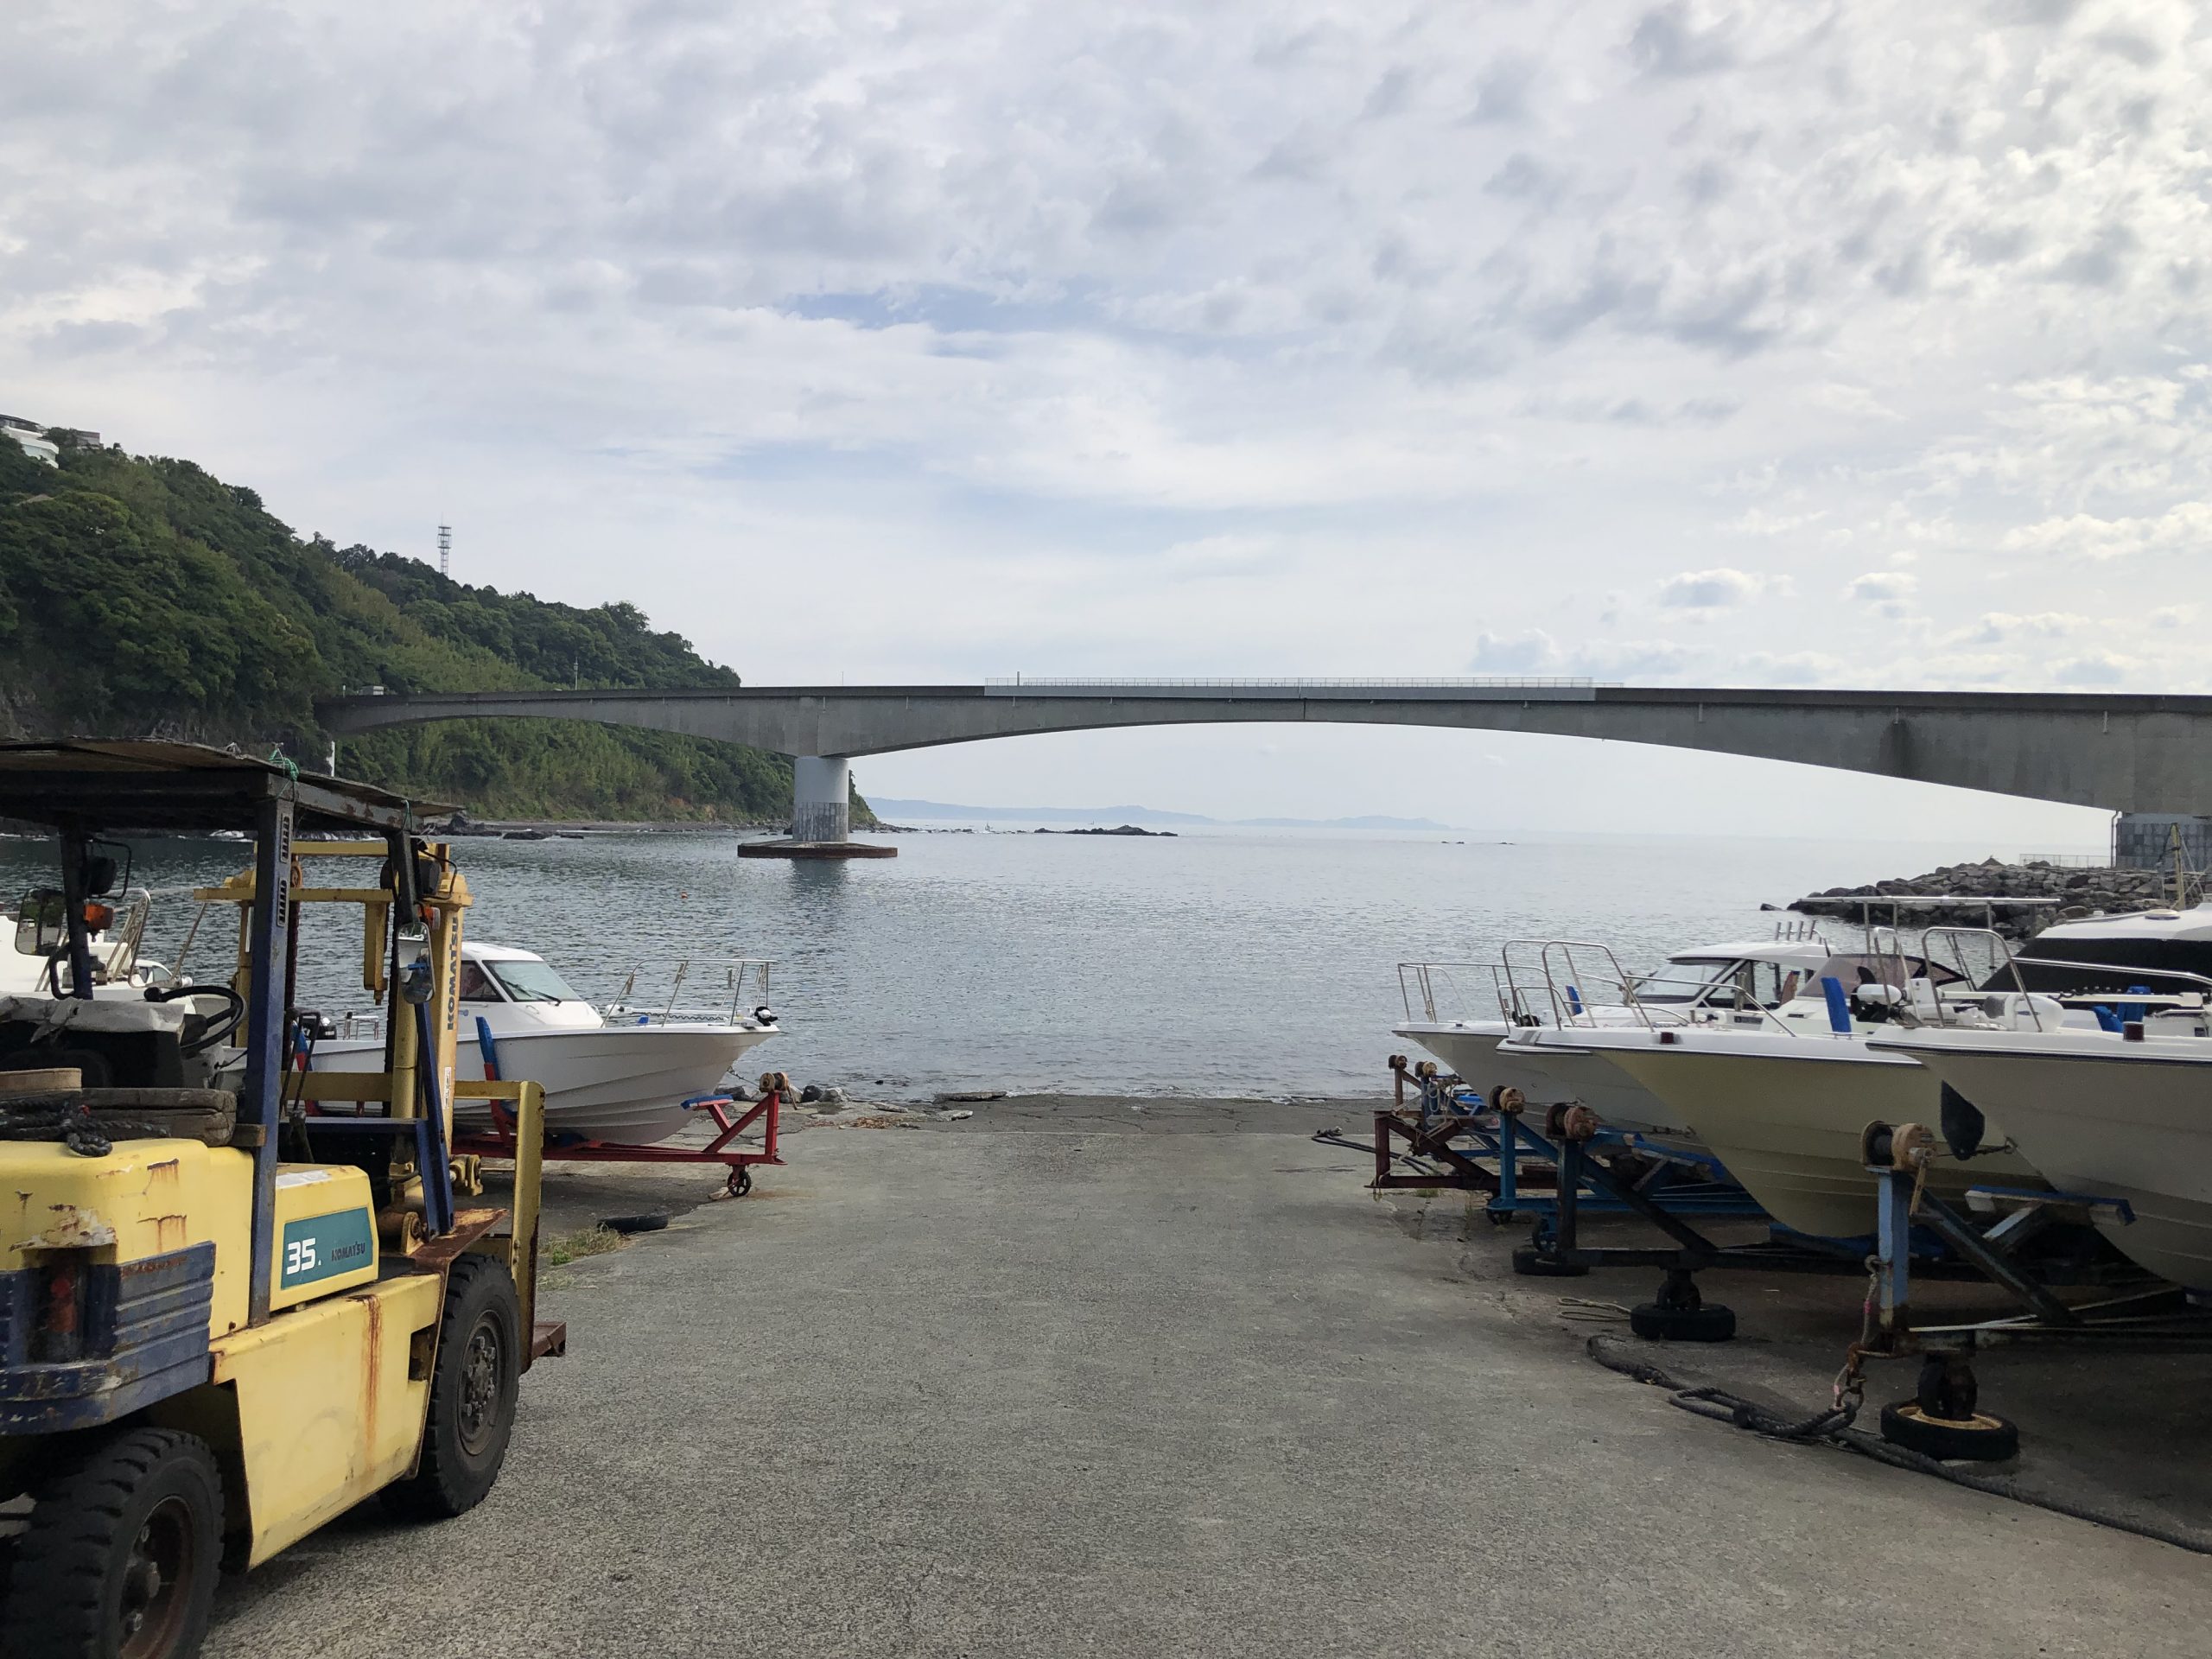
{"x":885,"y":806}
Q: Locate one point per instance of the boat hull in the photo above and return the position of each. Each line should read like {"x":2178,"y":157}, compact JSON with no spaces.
{"x":1788,"y":1125}
{"x":1620,"y":1102}
{"x":607,"y":1083}
{"x":1471,"y":1049}
{"x":1544,"y":1063}
{"x":2137,"y":1127}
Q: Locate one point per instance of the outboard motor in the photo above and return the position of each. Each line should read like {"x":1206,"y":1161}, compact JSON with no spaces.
{"x":1962,"y":1123}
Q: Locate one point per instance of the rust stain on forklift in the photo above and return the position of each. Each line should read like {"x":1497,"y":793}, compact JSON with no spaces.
{"x":373,"y":1373}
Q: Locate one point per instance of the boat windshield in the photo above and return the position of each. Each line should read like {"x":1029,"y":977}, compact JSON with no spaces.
{"x":2096,"y":966}
{"x":1684,"y":979}
{"x":532,"y":981}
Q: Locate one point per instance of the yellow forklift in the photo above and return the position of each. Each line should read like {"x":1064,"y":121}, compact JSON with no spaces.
{"x":237,"y":1295}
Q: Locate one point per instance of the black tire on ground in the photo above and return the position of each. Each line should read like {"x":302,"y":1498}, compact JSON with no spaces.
{"x":472,"y":1395}
{"x":1533,"y":1264}
{"x":633,"y":1223}
{"x":123,"y":1552}
{"x":1981,"y":1439}
{"x":1708,"y":1322}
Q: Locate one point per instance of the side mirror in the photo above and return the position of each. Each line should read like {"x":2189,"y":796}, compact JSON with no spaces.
{"x":98,"y":871}
{"x":42,"y":923}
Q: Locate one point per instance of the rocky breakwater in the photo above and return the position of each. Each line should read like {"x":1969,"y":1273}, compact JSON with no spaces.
{"x":2019,"y":901}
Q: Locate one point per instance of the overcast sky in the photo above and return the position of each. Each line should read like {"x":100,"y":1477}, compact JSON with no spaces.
{"x":1856,"y":345}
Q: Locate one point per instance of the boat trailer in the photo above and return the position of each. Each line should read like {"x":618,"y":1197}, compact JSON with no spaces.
{"x":1943,"y":1418}
{"x":499,"y":1140}
{"x":1518,"y":1169}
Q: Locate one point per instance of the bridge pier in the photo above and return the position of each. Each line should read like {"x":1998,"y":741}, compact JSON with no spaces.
{"x":822,"y":815}
{"x":822,"y":798}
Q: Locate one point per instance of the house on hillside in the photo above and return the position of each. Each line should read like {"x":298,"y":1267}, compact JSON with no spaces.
{"x":44,"y":442}
{"x":32,"y":440}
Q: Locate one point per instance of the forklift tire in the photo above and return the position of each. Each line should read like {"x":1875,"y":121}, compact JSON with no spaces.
{"x":472,"y":1395}
{"x":1981,"y":1439}
{"x":121,"y":1554}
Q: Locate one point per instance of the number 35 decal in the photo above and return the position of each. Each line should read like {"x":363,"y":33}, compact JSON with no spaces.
{"x":299,"y":1256}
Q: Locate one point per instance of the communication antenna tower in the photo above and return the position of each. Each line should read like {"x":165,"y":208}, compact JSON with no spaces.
{"x":445,"y":550}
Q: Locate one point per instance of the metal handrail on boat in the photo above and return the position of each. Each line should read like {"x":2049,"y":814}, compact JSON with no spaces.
{"x":746,"y":979}
{"x":2007,"y":962}
{"x":1573,"y":1001}
{"x":1532,"y":993}
{"x":1421,"y":977}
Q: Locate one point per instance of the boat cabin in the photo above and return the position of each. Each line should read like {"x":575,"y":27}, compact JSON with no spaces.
{"x":518,"y":990}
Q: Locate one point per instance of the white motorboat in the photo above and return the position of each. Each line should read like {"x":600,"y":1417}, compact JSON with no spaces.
{"x":2100,"y":1113}
{"x":1544,"y":1001}
{"x":622,"y":1074}
{"x":2122,"y":1113}
{"x":1782,"y":1103}
{"x":38,"y":967}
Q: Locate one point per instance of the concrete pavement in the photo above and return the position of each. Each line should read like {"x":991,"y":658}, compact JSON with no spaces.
{"x":1036,"y":1390}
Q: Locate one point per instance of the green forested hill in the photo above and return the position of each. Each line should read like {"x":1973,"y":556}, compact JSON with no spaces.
{"x":141,"y":597}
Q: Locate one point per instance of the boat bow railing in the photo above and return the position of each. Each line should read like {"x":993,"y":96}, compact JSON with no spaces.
{"x":2193,"y":995}
{"x":738,"y":984}
{"x":1432,"y":993}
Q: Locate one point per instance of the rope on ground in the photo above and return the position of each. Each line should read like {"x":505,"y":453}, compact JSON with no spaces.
{"x":1581,"y":1308}
{"x":1833,"y":1428}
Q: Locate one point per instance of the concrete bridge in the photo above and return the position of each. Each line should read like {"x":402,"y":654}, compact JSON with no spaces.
{"x":2123,"y":753}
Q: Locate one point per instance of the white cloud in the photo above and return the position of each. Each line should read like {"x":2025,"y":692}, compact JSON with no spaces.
{"x":1996,"y":627}
{"x":2185,"y":527}
{"x":1717,"y":589}
{"x":1533,"y":651}
{"x":1879,"y":585}
{"x":1887,"y":591}
{"x":1794,"y":668}
{"x":1530,"y":652}
{"x":1760,"y":521}
{"x":1850,"y":400}
{"x":2095,"y":668}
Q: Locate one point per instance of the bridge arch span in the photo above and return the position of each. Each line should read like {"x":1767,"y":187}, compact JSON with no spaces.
{"x":2133,"y":752}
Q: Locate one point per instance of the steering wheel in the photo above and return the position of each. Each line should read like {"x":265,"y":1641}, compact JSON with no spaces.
{"x":217,"y":1028}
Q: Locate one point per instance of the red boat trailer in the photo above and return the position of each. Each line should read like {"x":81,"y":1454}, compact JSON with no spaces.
{"x":499,"y":1140}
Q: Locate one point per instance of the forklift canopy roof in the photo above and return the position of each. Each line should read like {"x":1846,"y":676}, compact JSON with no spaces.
{"x":93,"y":783}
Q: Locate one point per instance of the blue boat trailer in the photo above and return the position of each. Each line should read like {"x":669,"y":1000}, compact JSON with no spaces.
{"x":1933,"y":1242}
{"x":1943,"y":1417}
{"x":1517,"y":1167}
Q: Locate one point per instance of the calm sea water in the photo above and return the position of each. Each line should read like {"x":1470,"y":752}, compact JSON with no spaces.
{"x":1217,"y":964}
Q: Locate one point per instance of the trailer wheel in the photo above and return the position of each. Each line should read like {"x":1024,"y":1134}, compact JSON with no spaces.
{"x":1533,"y":1264}
{"x":1709,"y":1322}
{"x":1981,"y":1437}
{"x":472,"y":1395}
{"x":121,"y":1554}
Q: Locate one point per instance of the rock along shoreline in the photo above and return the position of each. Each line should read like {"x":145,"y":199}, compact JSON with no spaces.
{"x":2017,"y":900}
